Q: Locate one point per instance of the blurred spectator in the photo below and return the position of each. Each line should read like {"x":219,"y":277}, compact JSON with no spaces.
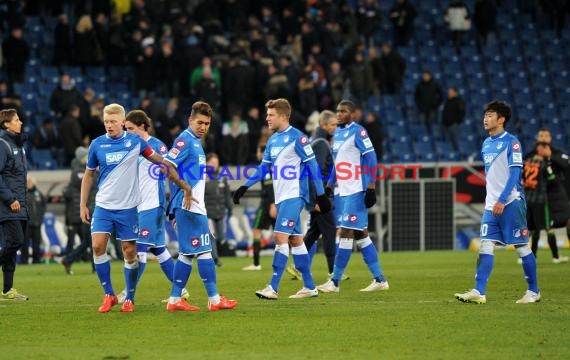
{"x":207,"y":89}
{"x":71,"y":133}
{"x":62,"y":42}
{"x":458,"y":21}
{"x":375,"y":131}
{"x":361,"y":79}
{"x":91,"y":115}
{"x":16,"y":53}
{"x":558,"y":9}
{"x":336,"y":82}
{"x":369,"y":17}
{"x":9,"y":100}
{"x":88,"y":50}
{"x":485,"y":18}
{"x":116,"y":50}
{"x":100,"y":28}
{"x":377,"y":70}
{"x":394,"y":69}
{"x":308,"y":100}
{"x":65,"y":96}
{"x":168,"y":75}
{"x":47,"y":136}
{"x":36,"y":205}
{"x":428,"y":96}
{"x":402,"y":15}
{"x":157,"y":113}
{"x":235,"y":141}
{"x":255,"y":125}
{"x":453,"y":116}
{"x":146,"y":69}
{"x":277,"y":84}
{"x":197,"y":74}
{"x":217,"y":198}
{"x":239,"y":82}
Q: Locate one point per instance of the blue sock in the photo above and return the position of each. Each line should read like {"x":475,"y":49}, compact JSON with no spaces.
{"x":165,"y":260}
{"x":302,"y":262}
{"x":484,"y":268}
{"x":182,"y":270}
{"x":141,"y":253}
{"x":131,"y":277}
{"x":207,"y":270}
{"x":103,"y":270}
{"x":529,"y":267}
{"x":279,"y":264}
{"x":342,"y":257}
{"x":370,"y":256}
{"x":312,"y":252}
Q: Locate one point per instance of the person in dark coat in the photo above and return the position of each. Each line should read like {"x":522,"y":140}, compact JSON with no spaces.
{"x":402,"y":15}
{"x":485,"y":20}
{"x":394,"y":69}
{"x":65,"y":96}
{"x":75,"y":226}
{"x":428,"y":96}
{"x":36,"y":203}
{"x":16,"y":53}
{"x":375,"y":133}
{"x":71,"y":134}
{"x":453,"y":116}
{"x":62,"y":42}
{"x":217,"y":198}
{"x":13,"y":209}
{"x":88,"y":50}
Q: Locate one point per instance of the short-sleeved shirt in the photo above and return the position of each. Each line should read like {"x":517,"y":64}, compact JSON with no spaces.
{"x":151,"y":186}
{"x":288,"y":151}
{"x":350,"y":144}
{"x":117,"y":159}
{"x":188,"y":156}
{"x":499,"y":153}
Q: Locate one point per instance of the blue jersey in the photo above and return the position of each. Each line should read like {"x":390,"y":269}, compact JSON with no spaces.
{"x":288,"y":151}
{"x":152,"y":190}
{"x":117,"y":159}
{"x":499,"y":153}
{"x":187,"y":155}
{"x":350,"y":144}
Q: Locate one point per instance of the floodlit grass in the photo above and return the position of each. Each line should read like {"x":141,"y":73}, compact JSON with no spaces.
{"x":417,"y":318}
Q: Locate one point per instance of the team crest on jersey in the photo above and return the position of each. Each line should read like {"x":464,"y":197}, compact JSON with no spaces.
{"x":195,"y":242}
{"x":304,"y":140}
{"x":128,"y":143}
{"x":517,"y":233}
{"x":163,"y":149}
{"x":346,"y":134}
{"x":180,"y":144}
{"x":352,"y":218}
{"x":173,"y":153}
{"x":516,"y":146}
{"x":286,"y":139}
{"x":135,"y":229}
{"x":145,"y":233}
{"x":499,"y":145}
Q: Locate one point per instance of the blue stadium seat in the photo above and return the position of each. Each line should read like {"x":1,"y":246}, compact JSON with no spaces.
{"x":49,"y":74}
{"x":43,"y":159}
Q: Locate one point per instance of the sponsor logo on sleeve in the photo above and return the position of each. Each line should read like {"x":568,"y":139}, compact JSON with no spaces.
{"x":304,"y":140}
{"x":145,"y":233}
{"x":163,"y":149}
{"x":517,"y":146}
{"x":363,"y":133}
{"x":180,"y":144}
{"x":173,"y":153}
{"x":517,"y":157}
{"x":367,"y":143}
{"x":308,"y":149}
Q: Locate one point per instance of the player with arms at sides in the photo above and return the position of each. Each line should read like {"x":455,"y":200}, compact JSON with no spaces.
{"x":289,"y":152}
{"x":116,"y":154}
{"x":194,"y":238}
{"x":265,"y":216}
{"x":152,"y":209}
{"x":351,"y":145}
{"x":504,"y":218}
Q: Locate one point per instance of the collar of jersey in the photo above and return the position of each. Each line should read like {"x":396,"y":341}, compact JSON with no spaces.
{"x":347,"y":125}
{"x":117,"y":138}
{"x":499,"y":135}
{"x":284,"y":131}
{"x":189,"y":131}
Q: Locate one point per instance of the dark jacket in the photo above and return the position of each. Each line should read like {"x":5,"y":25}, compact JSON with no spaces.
{"x":36,"y":203}
{"x":323,"y":156}
{"x":13,"y":171}
{"x":62,"y":100}
{"x":72,"y":194}
{"x":217,"y":197}
{"x":428,"y":96}
{"x":453,"y":111}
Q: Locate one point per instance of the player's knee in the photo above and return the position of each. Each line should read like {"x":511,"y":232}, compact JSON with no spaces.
{"x":205,"y":256}
{"x":487,"y":247}
{"x":523,"y":250}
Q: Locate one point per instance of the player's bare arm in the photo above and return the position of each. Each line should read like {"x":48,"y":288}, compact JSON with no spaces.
{"x":86,"y":184}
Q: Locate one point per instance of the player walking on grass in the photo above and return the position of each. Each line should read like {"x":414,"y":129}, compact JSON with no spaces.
{"x":504,"y":219}
{"x":194,"y":238}
{"x":152,"y":209}
{"x":289,"y":152}
{"x":116,"y":154}
{"x":351,"y":145}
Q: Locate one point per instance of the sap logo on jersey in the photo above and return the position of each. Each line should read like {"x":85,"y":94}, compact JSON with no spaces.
{"x":114,"y":157}
{"x":489,"y":158}
{"x":201,"y":160}
{"x":275,"y":150}
{"x":195,"y":242}
{"x":145,"y":233}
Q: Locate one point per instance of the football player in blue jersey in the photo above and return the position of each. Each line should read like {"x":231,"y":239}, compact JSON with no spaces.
{"x":504,"y":218}
{"x":116,"y":154}
{"x":289,"y":152}
{"x":194,"y":238}
{"x":357,"y":193}
{"x":152,"y":209}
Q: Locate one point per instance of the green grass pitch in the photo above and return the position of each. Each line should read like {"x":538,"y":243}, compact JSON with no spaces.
{"x":418,"y":318}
